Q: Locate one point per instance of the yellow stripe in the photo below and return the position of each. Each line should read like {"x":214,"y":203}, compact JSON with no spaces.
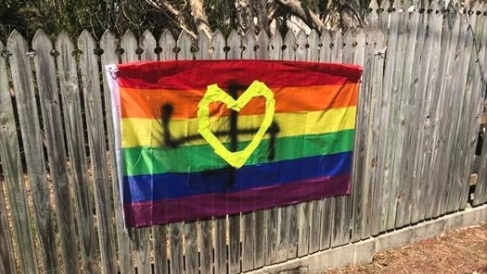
{"x":149,"y":133}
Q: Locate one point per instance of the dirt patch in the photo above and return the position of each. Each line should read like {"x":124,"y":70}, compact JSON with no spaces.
{"x":458,"y":251}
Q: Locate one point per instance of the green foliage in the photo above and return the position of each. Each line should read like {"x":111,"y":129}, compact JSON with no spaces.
{"x":222,"y":16}
{"x":72,"y":16}
{"x":9,"y":18}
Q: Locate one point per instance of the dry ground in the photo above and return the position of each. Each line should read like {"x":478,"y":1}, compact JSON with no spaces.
{"x":458,"y":251}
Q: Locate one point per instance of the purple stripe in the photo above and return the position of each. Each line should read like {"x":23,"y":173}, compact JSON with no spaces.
{"x":208,"y":205}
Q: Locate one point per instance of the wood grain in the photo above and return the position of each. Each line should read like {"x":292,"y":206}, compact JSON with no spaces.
{"x":73,"y":124}
{"x":407,"y":134}
{"x":289,"y":219}
{"x":109,"y":44}
{"x":13,"y":185}
{"x":133,"y":52}
{"x":205,"y":232}
{"x":91,"y":88}
{"x":25,"y":99}
{"x":54,"y":141}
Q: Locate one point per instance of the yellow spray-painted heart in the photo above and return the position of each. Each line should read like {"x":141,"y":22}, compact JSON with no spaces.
{"x":215,"y":94}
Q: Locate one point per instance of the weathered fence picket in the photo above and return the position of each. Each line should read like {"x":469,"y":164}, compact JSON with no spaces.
{"x":289,"y":214}
{"x":133,"y":52}
{"x":148,"y":45}
{"x":445,"y":118}
{"x":91,"y":90}
{"x":406,"y":140}
{"x":380,"y":195}
{"x":430,"y":123}
{"x":384,"y":20}
{"x":7,"y":262}
{"x":13,"y":185}
{"x":417,"y":123}
{"x":184,"y":45}
{"x":25,"y":100}
{"x":418,"y":102}
{"x":458,"y":186}
{"x":480,"y":195}
{"x":360,"y":214}
{"x":248,"y":219}
{"x":205,"y":232}
{"x":233,"y":50}
{"x":339,"y":233}
{"x":73,"y":125}
{"x":276,"y":248}
{"x":110,"y":44}
{"x":312,"y":55}
{"x":54,"y":142}
{"x":303,"y":214}
{"x":218,"y":45}
{"x":473,"y":108}
{"x":396,"y":120}
{"x":327,"y":203}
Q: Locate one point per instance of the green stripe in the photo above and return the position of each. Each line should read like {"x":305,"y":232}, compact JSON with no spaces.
{"x":151,"y":160}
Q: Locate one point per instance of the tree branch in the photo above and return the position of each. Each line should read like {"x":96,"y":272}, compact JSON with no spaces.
{"x":200,"y":18}
{"x":244,"y":15}
{"x":343,"y":15}
{"x":260,"y":8}
{"x":303,"y":12}
{"x":165,"y":6}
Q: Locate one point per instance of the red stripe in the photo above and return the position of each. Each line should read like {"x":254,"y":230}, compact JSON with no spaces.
{"x":198,"y":74}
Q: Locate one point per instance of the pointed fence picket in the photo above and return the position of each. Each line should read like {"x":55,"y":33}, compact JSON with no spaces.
{"x":25,"y":100}
{"x":91,"y":89}
{"x":73,"y":124}
{"x":13,"y":186}
{"x":480,"y":195}
{"x":54,"y":142}
{"x":405,"y":171}
{"x":418,"y":121}
{"x":110,"y":46}
{"x":205,"y":231}
{"x":421,"y":97}
{"x":134,"y":51}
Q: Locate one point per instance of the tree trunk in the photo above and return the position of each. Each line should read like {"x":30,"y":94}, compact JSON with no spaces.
{"x":303,"y":12}
{"x":245,"y":17}
{"x":200,"y":18}
{"x":261,"y":11}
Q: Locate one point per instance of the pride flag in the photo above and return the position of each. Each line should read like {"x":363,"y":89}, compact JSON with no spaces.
{"x":197,"y":139}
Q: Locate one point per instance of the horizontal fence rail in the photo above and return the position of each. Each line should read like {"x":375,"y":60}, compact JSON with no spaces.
{"x":418,"y":122}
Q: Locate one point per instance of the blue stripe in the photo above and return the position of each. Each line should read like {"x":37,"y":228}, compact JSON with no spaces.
{"x":177,"y":185}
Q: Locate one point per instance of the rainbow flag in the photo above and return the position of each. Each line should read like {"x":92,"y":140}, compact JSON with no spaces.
{"x":197,"y":139}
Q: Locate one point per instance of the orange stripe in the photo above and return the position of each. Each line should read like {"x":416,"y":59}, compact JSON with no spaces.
{"x":140,"y":103}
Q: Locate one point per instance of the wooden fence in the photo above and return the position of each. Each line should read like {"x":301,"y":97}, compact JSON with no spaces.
{"x":420,"y":101}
